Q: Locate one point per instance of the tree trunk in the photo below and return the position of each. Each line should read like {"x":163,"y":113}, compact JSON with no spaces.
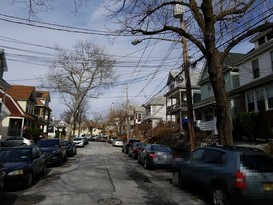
{"x":224,"y":122}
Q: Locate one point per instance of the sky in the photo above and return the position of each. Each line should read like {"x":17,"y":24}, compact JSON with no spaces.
{"x":143,"y":68}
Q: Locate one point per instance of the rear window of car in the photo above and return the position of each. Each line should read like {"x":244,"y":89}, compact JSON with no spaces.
{"x":260,"y":163}
{"x":48,"y":143}
{"x":161,"y":149}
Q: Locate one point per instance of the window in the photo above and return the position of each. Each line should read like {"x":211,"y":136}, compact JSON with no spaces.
{"x":15,"y":126}
{"x":260,"y":100}
{"x":269,"y":36}
{"x":261,"y":41}
{"x":214,"y":157}
{"x":269,"y":94}
{"x":198,"y":155}
{"x":255,"y":68}
{"x":250,"y":102}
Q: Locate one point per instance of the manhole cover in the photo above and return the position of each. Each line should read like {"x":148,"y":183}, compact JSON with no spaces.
{"x":110,"y":201}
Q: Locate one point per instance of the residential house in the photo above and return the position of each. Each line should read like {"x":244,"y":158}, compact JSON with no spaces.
{"x":205,"y":110}
{"x":20,"y":101}
{"x":4,"y":112}
{"x":135,"y":115}
{"x":176,"y":97}
{"x":56,"y":126}
{"x":155,"y":111}
{"x":42,"y":111}
{"x":256,"y":77}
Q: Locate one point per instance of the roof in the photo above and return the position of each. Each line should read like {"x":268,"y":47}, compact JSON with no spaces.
{"x":229,"y":63}
{"x":21,"y":92}
{"x":159,"y":100}
{"x":13,"y":106}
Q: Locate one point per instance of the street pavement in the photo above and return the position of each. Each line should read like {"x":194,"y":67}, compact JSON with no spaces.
{"x":101,"y":175}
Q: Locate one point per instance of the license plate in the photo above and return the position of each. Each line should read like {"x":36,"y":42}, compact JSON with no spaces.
{"x":268,"y":187}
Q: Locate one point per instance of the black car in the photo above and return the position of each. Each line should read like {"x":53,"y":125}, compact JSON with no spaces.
{"x":71,"y":148}
{"x":128,"y":143}
{"x":156,"y":156}
{"x":54,"y":150}
{"x":21,"y":164}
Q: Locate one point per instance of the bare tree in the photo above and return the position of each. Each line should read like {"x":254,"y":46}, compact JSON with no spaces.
{"x":36,"y":6}
{"x":214,"y":27}
{"x":79,"y":75}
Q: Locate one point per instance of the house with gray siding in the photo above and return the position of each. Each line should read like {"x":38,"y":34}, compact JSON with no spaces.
{"x":205,"y":110}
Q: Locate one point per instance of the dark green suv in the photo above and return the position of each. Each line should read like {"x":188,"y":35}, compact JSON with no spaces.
{"x":228,"y":174}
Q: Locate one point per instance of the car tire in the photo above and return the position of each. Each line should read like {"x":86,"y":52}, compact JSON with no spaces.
{"x":145,"y":165}
{"x":219,"y":197}
{"x":29,"y":180}
{"x":60,"y":162}
{"x":23,"y":144}
{"x":44,"y":170}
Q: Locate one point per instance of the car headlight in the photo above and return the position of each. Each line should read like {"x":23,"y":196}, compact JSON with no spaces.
{"x":16,"y":172}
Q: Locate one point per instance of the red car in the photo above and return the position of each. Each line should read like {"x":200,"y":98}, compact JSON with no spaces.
{"x":135,"y":149}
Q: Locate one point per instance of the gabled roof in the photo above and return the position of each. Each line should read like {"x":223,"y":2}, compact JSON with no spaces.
{"x":21,"y":92}
{"x":12,"y":105}
{"x":229,"y":63}
{"x":159,"y":100}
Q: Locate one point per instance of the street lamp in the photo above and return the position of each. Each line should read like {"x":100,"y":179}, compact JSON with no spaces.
{"x":137,"y":41}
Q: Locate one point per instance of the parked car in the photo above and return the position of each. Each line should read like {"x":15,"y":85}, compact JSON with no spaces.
{"x":21,"y":164}
{"x":128,"y":143}
{"x":117,"y":143}
{"x":228,"y":174}
{"x":71,"y":148}
{"x":2,"y":173}
{"x":16,"y":141}
{"x":156,"y":156}
{"x":135,"y":149}
{"x":79,"y":141}
{"x":54,"y":149}
{"x":86,"y":141}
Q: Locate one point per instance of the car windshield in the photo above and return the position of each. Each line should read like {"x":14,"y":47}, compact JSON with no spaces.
{"x":15,"y":155}
{"x":261,"y":163}
{"x":48,"y":143}
{"x":78,"y":139}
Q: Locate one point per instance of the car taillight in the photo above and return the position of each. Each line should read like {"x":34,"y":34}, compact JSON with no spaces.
{"x":152,"y":155}
{"x":240,"y":180}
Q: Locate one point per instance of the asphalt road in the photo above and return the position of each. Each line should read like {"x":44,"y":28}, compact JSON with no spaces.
{"x":101,"y":175}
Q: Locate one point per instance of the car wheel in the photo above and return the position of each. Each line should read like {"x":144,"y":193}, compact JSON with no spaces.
{"x":23,"y":144}
{"x":138,"y":159}
{"x":145,"y":165}
{"x":60,"y":161}
{"x":29,"y":180}
{"x":219,"y":197}
{"x":44,"y":170}
{"x":1,"y":190}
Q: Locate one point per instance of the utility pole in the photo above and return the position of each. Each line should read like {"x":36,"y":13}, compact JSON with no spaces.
{"x":178,"y":13}
{"x":127,"y":113}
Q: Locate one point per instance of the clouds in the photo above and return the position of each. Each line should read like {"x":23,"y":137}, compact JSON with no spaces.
{"x":29,"y":49}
